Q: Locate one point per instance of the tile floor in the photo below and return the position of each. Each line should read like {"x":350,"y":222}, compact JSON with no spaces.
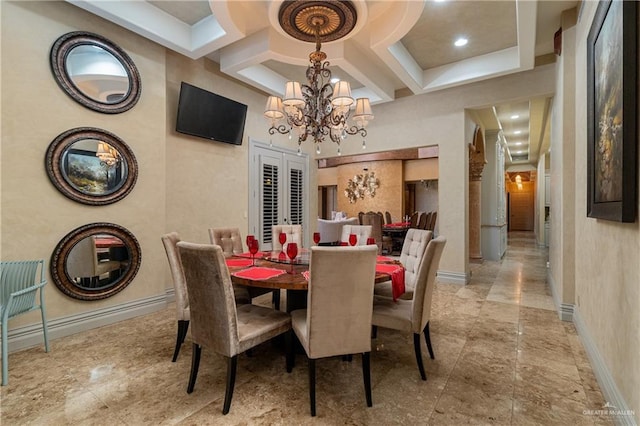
{"x":502,"y":357}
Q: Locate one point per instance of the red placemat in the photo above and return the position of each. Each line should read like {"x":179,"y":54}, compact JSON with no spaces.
{"x":397,"y":278}
{"x":383,"y":259}
{"x":259,"y":273}
{"x":397,"y":225}
{"x":238,"y":262}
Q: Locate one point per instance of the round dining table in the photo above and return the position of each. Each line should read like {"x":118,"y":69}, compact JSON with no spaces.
{"x":293,"y":280}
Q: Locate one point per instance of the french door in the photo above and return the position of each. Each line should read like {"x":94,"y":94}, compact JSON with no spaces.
{"x":279,"y":184}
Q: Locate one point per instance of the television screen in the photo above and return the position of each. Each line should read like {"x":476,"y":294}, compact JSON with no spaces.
{"x":210,"y":116}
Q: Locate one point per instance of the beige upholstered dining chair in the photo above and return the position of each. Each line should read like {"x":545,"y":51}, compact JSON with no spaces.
{"x":413,"y":315}
{"x":411,"y":257}
{"x":217,"y":323}
{"x":293,"y":232}
{"x":337,"y":320}
{"x":83,"y":265}
{"x":170,"y":242}
{"x":230,"y":240}
{"x":362,"y":233}
{"x":331,"y":230}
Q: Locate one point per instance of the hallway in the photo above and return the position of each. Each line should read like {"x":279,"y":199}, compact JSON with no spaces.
{"x":502,"y":357}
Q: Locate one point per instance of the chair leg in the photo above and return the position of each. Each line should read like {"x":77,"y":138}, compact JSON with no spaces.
{"x":195,"y":363}
{"x":232,"y":364}
{"x":427,"y":337}
{"x":183,"y":326}
{"x":275,"y":299}
{"x":366,"y":375}
{"x":374,"y":331}
{"x":312,"y":386}
{"x":44,"y":324}
{"x":5,"y":355}
{"x":416,"y":346}
{"x":288,"y":345}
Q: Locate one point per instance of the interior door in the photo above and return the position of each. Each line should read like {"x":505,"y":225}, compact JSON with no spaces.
{"x":521,"y":211}
{"x":278,"y":194}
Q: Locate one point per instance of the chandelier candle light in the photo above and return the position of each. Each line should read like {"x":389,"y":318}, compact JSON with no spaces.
{"x":318,"y":109}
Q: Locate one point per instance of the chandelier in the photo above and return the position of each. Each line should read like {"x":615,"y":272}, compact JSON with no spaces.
{"x":108,"y":155}
{"x":317,"y":109}
{"x":361,"y":185}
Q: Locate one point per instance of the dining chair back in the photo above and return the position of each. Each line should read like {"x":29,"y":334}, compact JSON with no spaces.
{"x":227,"y":238}
{"x":432,"y":224}
{"x":360,"y":216}
{"x":217,"y":323}
{"x":19,"y":283}
{"x":331,"y":230}
{"x":293,"y":232}
{"x":413,"y":315}
{"x":387,"y":217}
{"x":424,"y":223}
{"x":230,"y":240}
{"x":84,"y":266}
{"x":413,"y":221}
{"x":411,"y":257}
{"x":375,"y":221}
{"x":170,"y":242}
{"x":362,"y":233}
{"x":337,"y":320}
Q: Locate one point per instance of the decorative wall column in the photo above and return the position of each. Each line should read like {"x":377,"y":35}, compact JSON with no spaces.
{"x":476,"y":165}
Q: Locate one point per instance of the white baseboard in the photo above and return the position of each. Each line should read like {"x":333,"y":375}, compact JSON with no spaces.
{"x":565,"y":310}
{"x":607,"y":385}
{"x":453,"y":277}
{"x":31,"y":335}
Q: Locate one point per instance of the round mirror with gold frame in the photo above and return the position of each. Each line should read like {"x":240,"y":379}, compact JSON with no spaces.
{"x":95,"y":261}
{"x":91,"y":166}
{"x":95,"y":72}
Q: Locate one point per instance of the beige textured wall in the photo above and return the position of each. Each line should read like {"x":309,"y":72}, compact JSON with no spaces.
{"x":35,"y":216}
{"x":607,"y":267}
{"x":388,"y":196}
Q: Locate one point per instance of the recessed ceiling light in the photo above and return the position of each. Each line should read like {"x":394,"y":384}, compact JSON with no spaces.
{"x":518,"y":152}
{"x":461,"y":42}
{"x":439,"y":1}
{"x":517,"y":132}
{"x":518,"y":143}
{"x":514,"y":116}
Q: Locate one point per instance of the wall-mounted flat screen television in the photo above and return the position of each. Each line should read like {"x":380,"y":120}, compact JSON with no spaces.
{"x":210,"y":116}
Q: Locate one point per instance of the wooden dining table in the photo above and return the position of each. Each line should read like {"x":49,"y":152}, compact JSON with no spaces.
{"x":293,"y":280}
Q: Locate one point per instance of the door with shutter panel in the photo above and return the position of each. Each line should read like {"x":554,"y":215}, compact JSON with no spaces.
{"x":278,"y":192}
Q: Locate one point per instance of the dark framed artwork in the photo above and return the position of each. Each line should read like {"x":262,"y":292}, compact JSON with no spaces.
{"x":612,"y":112}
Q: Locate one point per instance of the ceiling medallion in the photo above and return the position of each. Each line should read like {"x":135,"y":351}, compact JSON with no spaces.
{"x":299,"y":19}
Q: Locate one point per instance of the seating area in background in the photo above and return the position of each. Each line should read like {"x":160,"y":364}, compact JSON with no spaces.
{"x":331,"y":230}
{"x":20,"y":281}
{"x":423,"y":220}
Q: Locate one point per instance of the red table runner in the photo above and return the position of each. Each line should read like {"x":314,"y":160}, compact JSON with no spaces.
{"x":397,"y":225}
{"x":238,"y":262}
{"x":397,"y":278}
{"x":259,"y":273}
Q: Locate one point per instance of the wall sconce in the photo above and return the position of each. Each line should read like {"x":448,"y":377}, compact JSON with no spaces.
{"x":361,"y":185}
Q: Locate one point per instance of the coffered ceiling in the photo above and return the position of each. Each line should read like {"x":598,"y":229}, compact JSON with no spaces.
{"x":396,"y":47}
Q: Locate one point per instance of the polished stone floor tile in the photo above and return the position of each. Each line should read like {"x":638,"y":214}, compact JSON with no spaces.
{"x":502,"y":356}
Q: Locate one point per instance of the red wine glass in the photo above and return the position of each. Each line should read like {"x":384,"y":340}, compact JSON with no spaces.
{"x":254,"y":245}
{"x":353,"y":239}
{"x":371,"y":241}
{"x":316,"y":237}
{"x":292,"y":252}
{"x":282,"y":237}
{"x":249,"y":239}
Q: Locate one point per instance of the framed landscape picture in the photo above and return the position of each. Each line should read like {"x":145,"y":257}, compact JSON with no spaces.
{"x":612,"y":112}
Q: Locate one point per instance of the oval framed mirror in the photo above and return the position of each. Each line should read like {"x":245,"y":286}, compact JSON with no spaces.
{"x":95,"y":72}
{"x":95,"y":261}
{"x":91,"y":166}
